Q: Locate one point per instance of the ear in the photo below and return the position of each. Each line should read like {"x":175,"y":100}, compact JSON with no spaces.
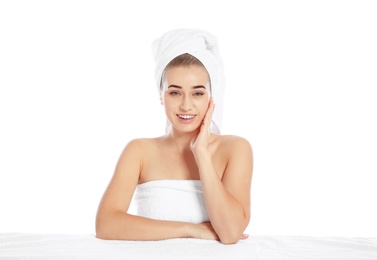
{"x":161,"y":101}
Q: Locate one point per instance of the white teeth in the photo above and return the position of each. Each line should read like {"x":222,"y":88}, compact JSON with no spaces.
{"x":185,"y":116}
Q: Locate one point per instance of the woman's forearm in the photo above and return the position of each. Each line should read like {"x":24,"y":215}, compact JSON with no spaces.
{"x":226,"y":214}
{"x":123,"y":226}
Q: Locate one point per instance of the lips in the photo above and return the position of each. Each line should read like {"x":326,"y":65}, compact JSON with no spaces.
{"x":186,"y":118}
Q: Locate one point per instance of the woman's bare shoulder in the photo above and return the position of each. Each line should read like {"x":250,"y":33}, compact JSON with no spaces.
{"x":231,"y":142}
{"x":238,"y":154}
{"x":137,"y":150}
{"x":142,"y":143}
{"x":141,"y":148}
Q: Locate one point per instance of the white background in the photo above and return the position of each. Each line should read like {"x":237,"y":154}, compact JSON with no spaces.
{"x":77,"y":84}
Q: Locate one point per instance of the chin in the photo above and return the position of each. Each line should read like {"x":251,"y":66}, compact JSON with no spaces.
{"x":185,"y":129}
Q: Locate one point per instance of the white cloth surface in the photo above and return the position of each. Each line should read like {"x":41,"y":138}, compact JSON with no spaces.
{"x":60,"y":246}
{"x":176,"y":200}
{"x":202,"y":45}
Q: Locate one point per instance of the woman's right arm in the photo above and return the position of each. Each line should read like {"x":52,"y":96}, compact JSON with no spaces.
{"x":113,"y":221}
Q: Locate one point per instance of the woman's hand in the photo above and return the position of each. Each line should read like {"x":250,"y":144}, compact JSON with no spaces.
{"x":200,"y":142}
{"x":205,"y":231}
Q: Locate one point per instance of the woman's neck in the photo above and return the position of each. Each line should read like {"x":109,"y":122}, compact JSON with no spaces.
{"x":181,"y":140}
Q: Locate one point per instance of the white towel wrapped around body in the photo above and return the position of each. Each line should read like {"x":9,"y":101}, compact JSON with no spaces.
{"x":174,"y":200}
{"x":202,"y":45}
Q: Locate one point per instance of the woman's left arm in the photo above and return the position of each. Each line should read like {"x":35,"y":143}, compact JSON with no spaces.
{"x":227,"y":199}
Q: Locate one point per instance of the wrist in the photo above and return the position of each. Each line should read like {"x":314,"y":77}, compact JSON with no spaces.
{"x":188,"y":230}
{"x":202,"y":153}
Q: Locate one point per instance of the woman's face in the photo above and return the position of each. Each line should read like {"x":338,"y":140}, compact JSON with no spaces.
{"x":185,"y":96}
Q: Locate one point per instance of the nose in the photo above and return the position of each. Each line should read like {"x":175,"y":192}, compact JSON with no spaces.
{"x":186,"y":104}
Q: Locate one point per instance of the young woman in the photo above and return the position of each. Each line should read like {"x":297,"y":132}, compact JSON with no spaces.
{"x":190,"y":182}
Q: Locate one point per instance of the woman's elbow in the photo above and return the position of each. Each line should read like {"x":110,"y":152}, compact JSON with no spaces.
{"x":102,"y":235}
{"x":103,"y":228}
{"x":108,"y":226}
{"x":229,"y":241}
{"x":232,"y":235}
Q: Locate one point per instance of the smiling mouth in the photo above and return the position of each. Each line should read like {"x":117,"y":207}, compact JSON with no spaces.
{"x":186,"y":117}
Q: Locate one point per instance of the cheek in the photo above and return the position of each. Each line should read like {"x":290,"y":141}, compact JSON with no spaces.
{"x":168,"y":104}
{"x":203,"y":106}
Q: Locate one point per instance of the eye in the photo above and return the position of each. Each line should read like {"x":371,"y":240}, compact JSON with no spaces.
{"x":174,"y":93}
{"x":198,"y":94}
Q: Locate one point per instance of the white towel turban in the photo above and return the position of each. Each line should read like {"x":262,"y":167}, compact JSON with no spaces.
{"x":202,"y":45}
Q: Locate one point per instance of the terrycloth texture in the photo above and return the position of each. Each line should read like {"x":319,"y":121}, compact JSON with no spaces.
{"x":62,"y":247}
{"x":176,"y":200}
{"x":201,"y":44}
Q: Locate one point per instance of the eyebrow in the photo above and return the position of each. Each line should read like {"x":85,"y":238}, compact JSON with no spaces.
{"x":194,"y":87}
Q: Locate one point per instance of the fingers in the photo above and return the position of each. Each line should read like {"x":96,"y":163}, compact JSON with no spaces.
{"x":206,"y":231}
{"x":208,"y":117}
{"x":244,"y":236}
